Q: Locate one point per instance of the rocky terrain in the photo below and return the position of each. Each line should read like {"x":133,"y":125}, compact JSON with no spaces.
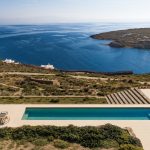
{"x":26,"y":84}
{"x":134,"y":38}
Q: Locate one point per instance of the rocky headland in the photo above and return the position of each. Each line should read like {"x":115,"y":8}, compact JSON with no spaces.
{"x":134,"y":38}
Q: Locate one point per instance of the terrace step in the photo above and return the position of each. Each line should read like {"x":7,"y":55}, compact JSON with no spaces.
{"x":114,"y":98}
{"x":118,"y":98}
{"x":123,"y":93}
{"x":129,"y":96}
{"x":132,"y":96}
{"x":123,"y":98}
{"x":108,"y":100}
{"x":139,"y":96}
{"x":135,"y":97}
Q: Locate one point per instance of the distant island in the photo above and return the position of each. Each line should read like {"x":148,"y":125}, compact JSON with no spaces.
{"x":134,"y":38}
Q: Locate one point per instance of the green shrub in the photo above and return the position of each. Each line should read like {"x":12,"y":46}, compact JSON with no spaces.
{"x":61,"y":144}
{"x":6,"y":133}
{"x":111,"y":132}
{"x":130,"y":147}
{"x":54,"y":100}
{"x":40,"y":142}
{"x":91,"y":137}
{"x":127,"y":139}
{"x":86,"y":99}
{"x":20,"y":142}
{"x":109,"y":144}
{"x":91,"y":140}
{"x":135,"y":141}
{"x":100,"y":94}
{"x":25,"y":132}
{"x":72,"y":138}
{"x":50,"y":138}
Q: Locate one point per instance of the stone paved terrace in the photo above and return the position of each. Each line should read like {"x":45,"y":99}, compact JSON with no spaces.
{"x":146,"y":92}
{"x":141,"y":128}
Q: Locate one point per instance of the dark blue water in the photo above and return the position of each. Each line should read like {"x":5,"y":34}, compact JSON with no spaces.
{"x":69,"y":47}
{"x":87,"y":114}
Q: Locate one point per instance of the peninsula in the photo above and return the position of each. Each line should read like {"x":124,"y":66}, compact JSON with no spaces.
{"x":134,"y":38}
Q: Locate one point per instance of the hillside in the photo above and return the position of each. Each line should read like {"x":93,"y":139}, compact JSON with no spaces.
{"x":30,"y":84}
{"x":134,"y":38}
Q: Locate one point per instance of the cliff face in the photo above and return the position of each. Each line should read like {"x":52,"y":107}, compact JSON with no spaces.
{"x":135,"y":38}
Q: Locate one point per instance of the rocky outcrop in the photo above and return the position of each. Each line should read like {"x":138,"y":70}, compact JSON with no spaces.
{"x":135,"y":38}
{"x":143,"y":44}
{"x":115,"y":44}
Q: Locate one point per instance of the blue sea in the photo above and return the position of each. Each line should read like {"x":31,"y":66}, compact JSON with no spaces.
{"x":69,"y":47}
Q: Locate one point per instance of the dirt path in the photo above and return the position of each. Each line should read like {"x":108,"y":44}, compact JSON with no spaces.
{"x":10,"y":86}
{"x":26,"y":73}
{"x":58,"y":96}
{"x":42,"y":74}
{"x":86,"y":77}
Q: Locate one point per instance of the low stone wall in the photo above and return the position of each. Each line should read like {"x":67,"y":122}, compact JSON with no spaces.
{"x":104,"y":73}
{"x":41,"y":81}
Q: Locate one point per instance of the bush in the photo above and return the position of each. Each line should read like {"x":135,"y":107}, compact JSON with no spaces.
{"x":130,"y":147}
{"x":91,"y":137}
{"x":25,"y":132}
{"x":40,"y":142}
{"x":100,"y":94}
{"x":109,"y":144}
{"x":86,"y":99}
{"x":50,"y":138}
{"x":70,"y":137}
{"x":135,"y":141}
{"x":111,"y":132}
{"x":61,"y":144}
{"x":5,"y":134}
{"x":54,"y":100}
{"x":90,"y":140}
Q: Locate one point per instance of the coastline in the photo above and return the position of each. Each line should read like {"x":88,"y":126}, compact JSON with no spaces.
{"x":130,"y":38}
{"x":124,"y":72}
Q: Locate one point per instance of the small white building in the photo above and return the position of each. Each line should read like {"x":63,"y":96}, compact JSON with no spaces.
{"x":10,"y":61}
{"x":48,"y":66}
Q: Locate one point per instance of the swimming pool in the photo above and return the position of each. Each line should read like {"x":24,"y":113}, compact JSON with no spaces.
{"x":86,"y":114}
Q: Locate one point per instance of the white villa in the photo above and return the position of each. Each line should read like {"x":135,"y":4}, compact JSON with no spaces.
{"x":10,"y":61}
{"x":48,"y":66}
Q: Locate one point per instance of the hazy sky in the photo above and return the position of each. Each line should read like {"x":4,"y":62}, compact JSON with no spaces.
{"x":49,"y":11}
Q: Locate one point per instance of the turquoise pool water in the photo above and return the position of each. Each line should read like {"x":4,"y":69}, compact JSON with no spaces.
{"x":87,"y":114}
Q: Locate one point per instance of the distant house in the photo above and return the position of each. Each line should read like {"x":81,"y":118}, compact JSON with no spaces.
{"x":10,"y":61}
{"x":48,"y":66}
